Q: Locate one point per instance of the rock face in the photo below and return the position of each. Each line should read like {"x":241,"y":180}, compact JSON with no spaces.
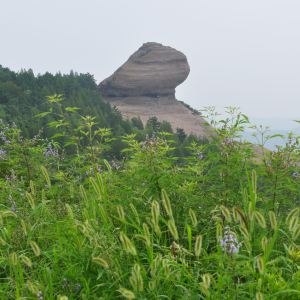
{"x":144,"y":87}
{"x":152,"y":71}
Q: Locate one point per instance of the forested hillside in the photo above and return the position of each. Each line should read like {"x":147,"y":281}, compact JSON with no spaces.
{"x":23,"y":100}
{"x":23,"y":95}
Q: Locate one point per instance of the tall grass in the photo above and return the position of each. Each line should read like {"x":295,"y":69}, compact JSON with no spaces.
{"x":213,"y":227}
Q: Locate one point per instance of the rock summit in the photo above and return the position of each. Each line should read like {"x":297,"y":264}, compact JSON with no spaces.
{"x":152,"y":71}
{"x":144,"y":86}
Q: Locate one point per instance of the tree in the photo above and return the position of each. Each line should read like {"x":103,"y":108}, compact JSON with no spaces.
{"x":137,"y":123}
{"x":181,"y":135}
{"x":166,"y":127}
{"x":153,"y":124}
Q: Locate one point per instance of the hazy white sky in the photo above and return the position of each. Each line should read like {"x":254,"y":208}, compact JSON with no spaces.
{"x":241,"y":52}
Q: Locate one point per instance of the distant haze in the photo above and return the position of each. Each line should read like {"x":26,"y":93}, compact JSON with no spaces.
{"x":241,"y":53}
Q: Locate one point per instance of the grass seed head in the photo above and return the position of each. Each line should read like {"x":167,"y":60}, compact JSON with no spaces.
{"x":235,"y":214}
{"x":260,"y":264}
{"x":32,"y":287}
{"x":193,"y":218}
{"x":293,"y":223}
{"x":46,"y":176}
{"x":121,"y":213}
{"x":260,"y":219}
{"x":59,"y":297}
{"x":198,"y":245}
{"x":155,"y":212}
{"x":127,"y":294}
{"x":206,"y":280}
{"x":136,"y":279}
{"x":24,"y":227}
{"x":173,"y":229}
{"x":35,"y":248}
{"x":2,"y":241}
{"x":219,"y":231}
{"x":135,"y":213}
{"x":26,"y":260}
{"x":293,"y":252}
{"x":100,"y":261}
{"x":166,"y":203}
{"x":70,"y":211}
{"x":155,"y":265}
{"x":30,"y":200}
{"x":251,"y":211}
{"x":13,"y":258}
{"x":244,"y":232}
{"x":127,"y":244}
{"x":293,"y":213}
{"x":83,"y":193}
{"x":264,"y":244}
{"x":273,"y":220}
{"x":259,"y":296}
{"x":32,"y":188}
{"x":226,"y":213}
{"x":7,"y":214}
{"x":296,"y":232}
{"x":147,"y":235}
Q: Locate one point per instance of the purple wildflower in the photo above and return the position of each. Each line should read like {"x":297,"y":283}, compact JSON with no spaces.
{"x":230,"y":243}
{"x":12,"y":176}
{"x":51,"y":151}
{"x":91,"y":171}
{"x":4,"y":138}
{"x":200,"y":155}
{"x":2,"y":154}
{"x":116,"y":165}
{"x":12,"y":203}
{"x":40,"y":295}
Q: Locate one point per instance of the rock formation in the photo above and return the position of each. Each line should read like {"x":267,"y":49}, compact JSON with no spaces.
{"x":153,"y":71}
{"x":145,"y":85}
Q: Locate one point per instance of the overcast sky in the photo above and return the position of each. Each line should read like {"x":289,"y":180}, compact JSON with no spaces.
{"x":241,"y":52}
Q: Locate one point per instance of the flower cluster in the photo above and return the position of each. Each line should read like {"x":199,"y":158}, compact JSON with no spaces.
{"x":200,"y":155}
{"x":230,"y":243}
{"x":152,"y":143}
{"x":149,"y":142}
{"x":40,"y":295}
{"x":37,"y":137}
{"x":11,"y":177}
{"x":91,"y":171}
{"x":4,"y":138}
{"x":12,"y":203}
{"x":67,"y":285}
{"x":116,"y":165}
{"x":2,"y":154}
{"x":51,"y":151}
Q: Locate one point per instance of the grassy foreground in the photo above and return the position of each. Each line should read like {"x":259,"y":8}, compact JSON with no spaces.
{"x":217,"y":224}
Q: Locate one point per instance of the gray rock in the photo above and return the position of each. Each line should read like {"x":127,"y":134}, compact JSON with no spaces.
{"x":152,"y":71}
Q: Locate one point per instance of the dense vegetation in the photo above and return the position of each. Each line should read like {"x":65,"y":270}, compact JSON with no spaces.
{"x":23,"y":97}
{"x":222,"y":222}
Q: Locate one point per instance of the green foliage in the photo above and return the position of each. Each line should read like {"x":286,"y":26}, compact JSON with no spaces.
{"x":219,"y":222}
{"x":24,"y":101}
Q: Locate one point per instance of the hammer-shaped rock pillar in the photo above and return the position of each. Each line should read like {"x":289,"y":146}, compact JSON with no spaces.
{"x":153,"y":71}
